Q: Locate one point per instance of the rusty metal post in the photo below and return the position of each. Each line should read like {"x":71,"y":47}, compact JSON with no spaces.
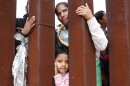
{"x":82,"y":54}
{"x":42,"y":44}
{"x":7,"y":43}
{"x":119,"y":41}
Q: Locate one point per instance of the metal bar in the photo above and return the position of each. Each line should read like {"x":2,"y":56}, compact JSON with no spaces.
{"x":7,"y":42}
{"x":81,"y":50}
{"x":42,"y":44}
{"x":119,"y":38}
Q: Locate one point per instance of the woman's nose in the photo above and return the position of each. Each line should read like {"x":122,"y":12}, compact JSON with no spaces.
{"x":62,"y":14}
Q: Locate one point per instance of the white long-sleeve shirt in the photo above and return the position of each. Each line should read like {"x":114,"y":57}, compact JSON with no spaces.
{"x":99,"y":39}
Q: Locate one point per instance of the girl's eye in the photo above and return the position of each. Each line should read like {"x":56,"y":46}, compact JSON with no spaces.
{"x":67,"y":61}
{"x":59,"y":61}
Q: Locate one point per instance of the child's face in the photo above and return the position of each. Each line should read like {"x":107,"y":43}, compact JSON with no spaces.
{"x":61,"y":63}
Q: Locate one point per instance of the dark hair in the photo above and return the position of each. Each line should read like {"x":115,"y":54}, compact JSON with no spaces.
{"x":61,"y":51}
{"x":98,"y":15}
{"x":63,"y":3}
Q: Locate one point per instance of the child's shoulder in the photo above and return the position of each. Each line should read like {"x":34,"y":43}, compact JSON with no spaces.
{"x":62,"y":75}
{"x":58,"y":75}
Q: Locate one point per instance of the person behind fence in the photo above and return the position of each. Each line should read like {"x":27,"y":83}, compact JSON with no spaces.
{"x":61,"y":64}
{"x":20,"y":22}
{"x":104,"y":55}
{"x":19,"y":66}
{"x":99,"y":39}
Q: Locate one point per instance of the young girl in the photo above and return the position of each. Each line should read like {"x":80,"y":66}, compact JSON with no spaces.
{"x":61,"y":69}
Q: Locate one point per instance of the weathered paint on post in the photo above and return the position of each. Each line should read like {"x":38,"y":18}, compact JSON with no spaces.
{"x":118,"y":13}
{"x":42,"y":44}
{"x":81,"y":50}
{"x":7,"y":42}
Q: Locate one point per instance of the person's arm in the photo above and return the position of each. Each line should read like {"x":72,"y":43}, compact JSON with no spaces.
{"x":20,"y":35}
{"x":28,"y":25}
{"x":99,"y":39}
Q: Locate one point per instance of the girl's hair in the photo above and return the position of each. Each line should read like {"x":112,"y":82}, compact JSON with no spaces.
{"x":63,"y":3}
{"x":61,"y":51}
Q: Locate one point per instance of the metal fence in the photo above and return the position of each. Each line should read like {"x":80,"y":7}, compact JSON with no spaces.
{"x":42,"y":44}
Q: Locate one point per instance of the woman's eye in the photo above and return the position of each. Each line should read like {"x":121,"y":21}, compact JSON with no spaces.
{"x":59,"y":14}
{"x":59,"y":61}
{"x":65,"y":10}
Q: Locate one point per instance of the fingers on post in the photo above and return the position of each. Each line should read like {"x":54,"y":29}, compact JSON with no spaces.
{"x":31,"y":22}
{"x":87,"y":5}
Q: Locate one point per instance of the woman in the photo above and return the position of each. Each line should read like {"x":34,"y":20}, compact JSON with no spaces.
{"x":98,"y":37}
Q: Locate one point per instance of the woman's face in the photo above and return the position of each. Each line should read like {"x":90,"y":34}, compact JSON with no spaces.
{"x":104,"y":19}
{"x":62,"y":63}
{"x":62,"y":14}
